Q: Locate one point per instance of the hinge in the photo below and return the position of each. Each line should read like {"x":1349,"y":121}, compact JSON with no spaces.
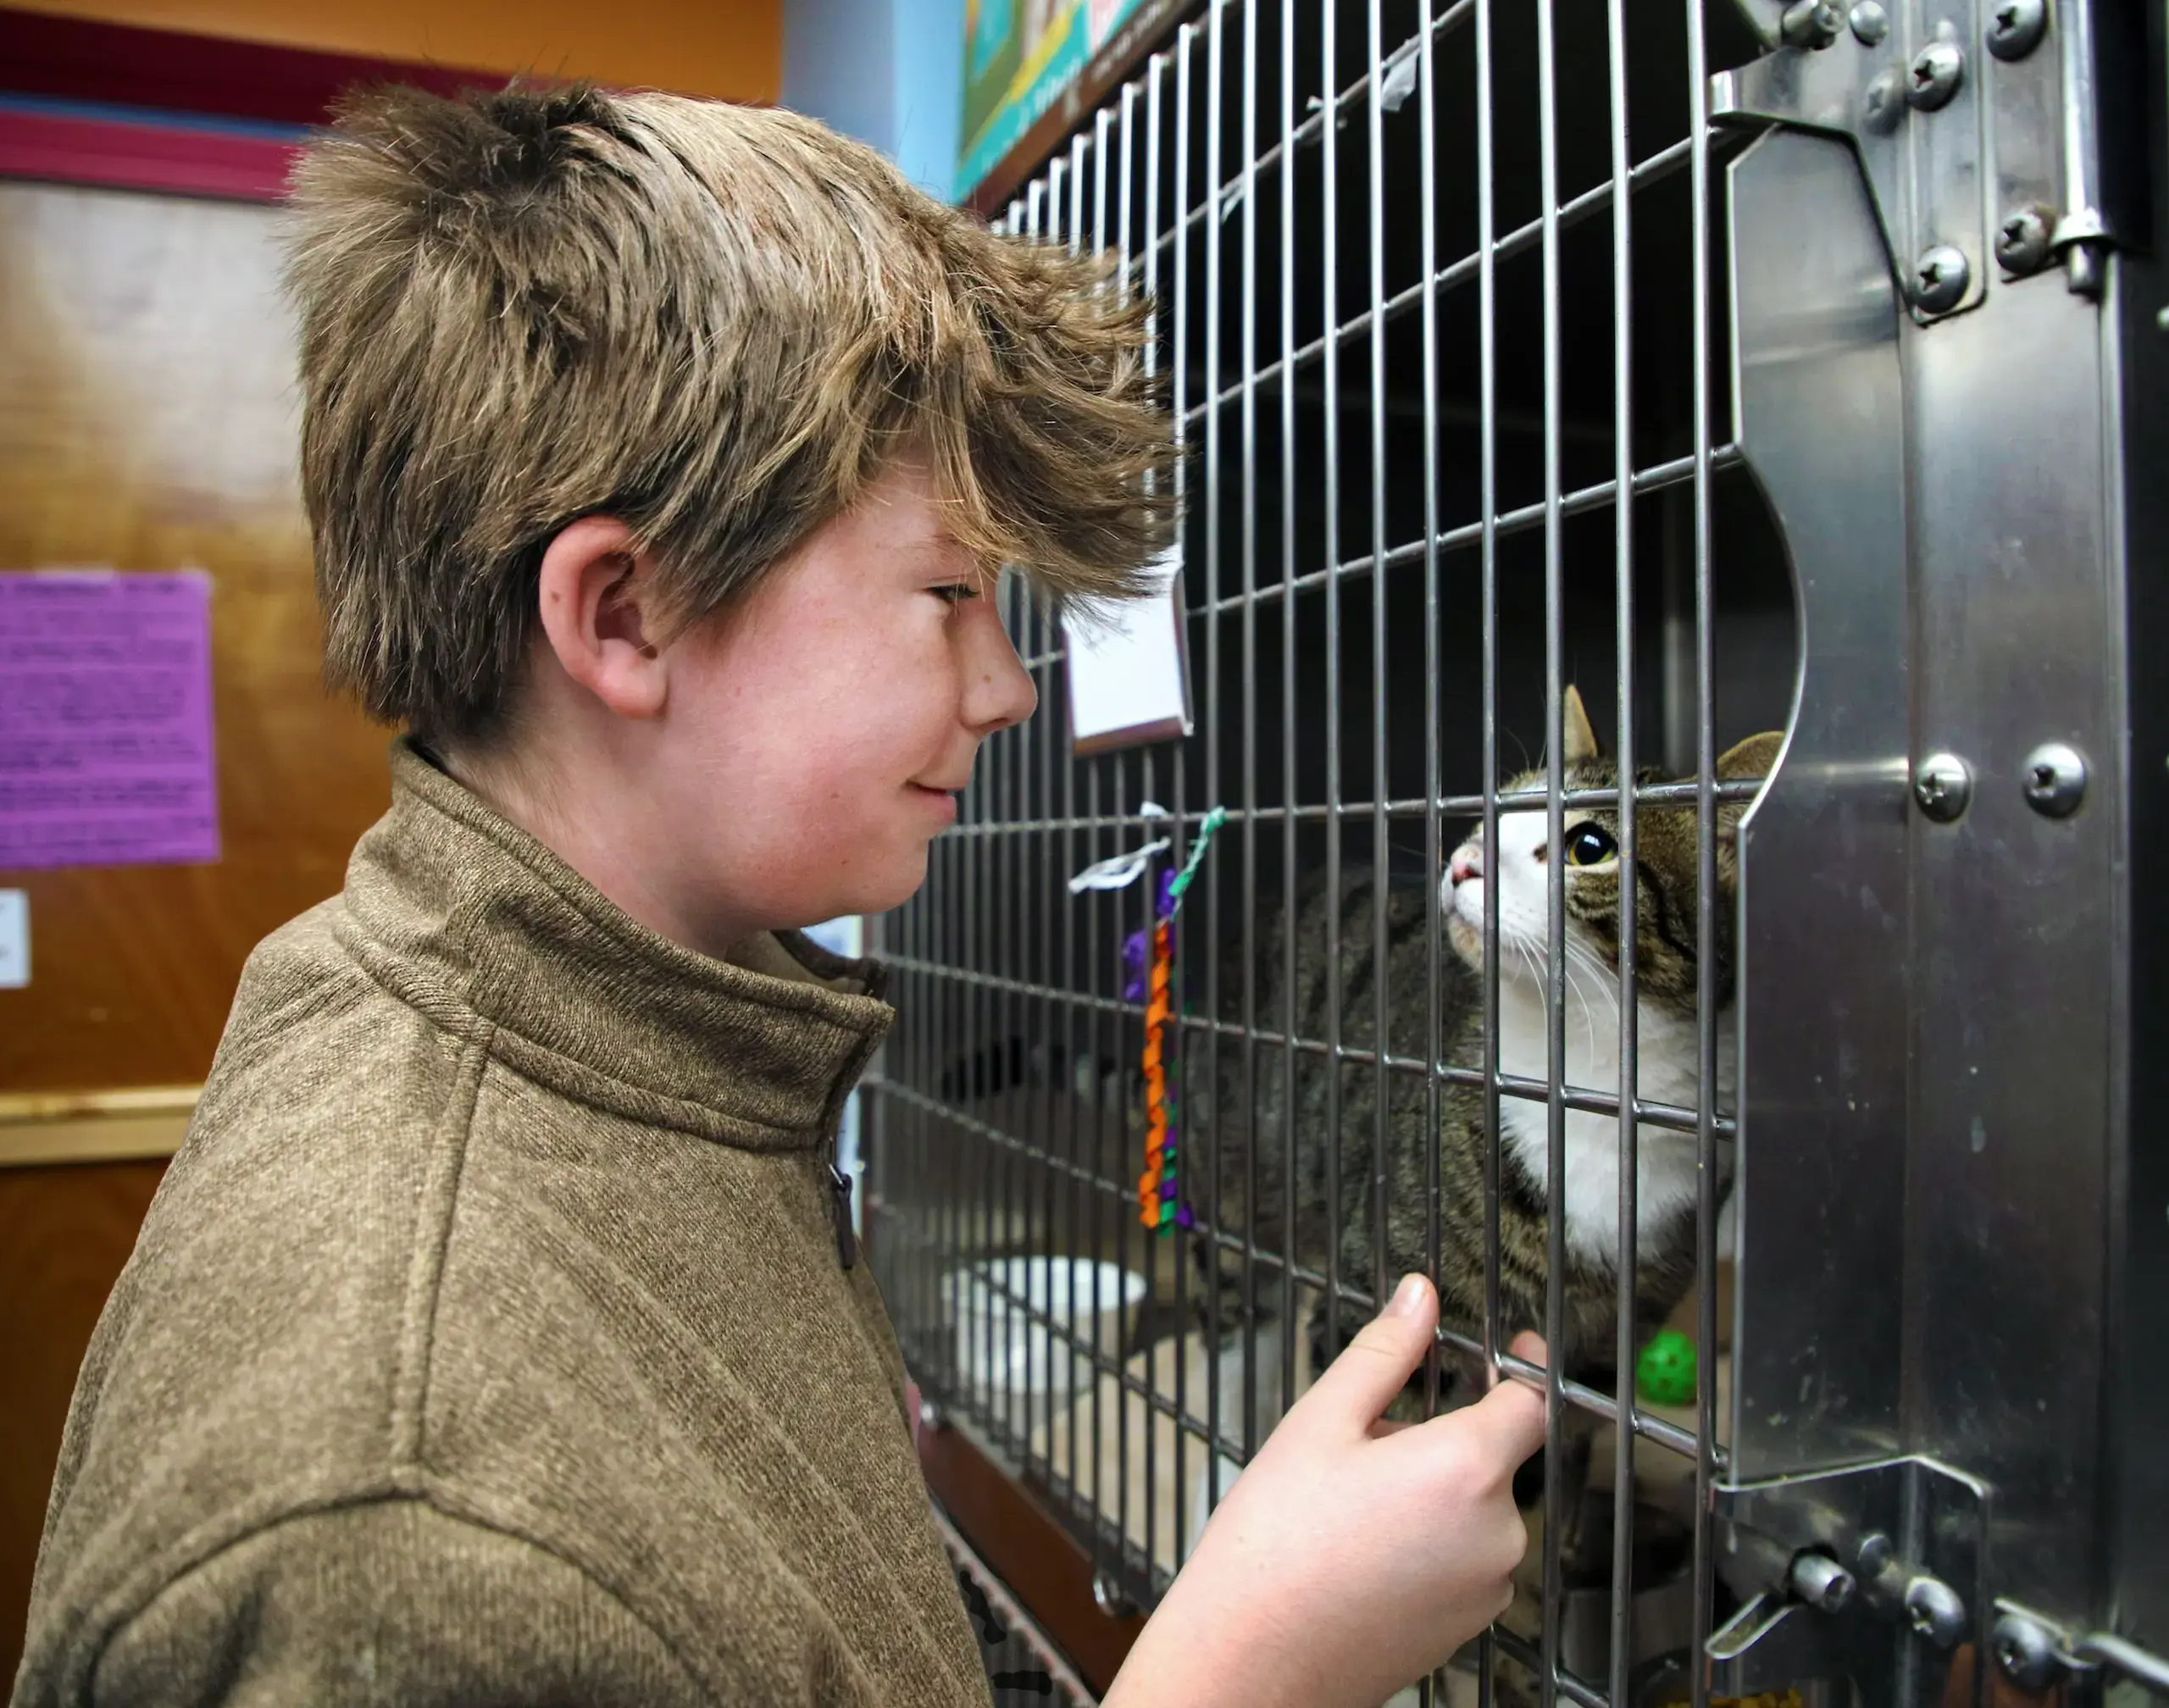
{"x":1978,"y":123}
{"x":1874,"y":1574}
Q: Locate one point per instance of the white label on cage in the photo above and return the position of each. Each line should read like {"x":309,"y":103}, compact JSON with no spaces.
{"x":1126,"y":677}
{"x":15,"y":939}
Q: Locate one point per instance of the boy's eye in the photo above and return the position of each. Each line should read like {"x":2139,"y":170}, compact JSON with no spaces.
{"x":1590,"y":844}
{"x":954,"y":592}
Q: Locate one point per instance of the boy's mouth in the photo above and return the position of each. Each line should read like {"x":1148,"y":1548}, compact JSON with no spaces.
{"x":947,"y":799}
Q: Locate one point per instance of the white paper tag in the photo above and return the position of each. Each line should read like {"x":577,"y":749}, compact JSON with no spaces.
{"x":1126,"y":677}
{"x":1118,"y":872}
{"x":15,"y":939}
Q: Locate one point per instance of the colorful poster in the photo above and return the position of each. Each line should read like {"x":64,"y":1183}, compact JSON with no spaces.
{"x":1020,"y":56}
{"x":106,"y":753}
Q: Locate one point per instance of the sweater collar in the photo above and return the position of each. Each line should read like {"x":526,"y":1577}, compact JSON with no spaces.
{"x":477,"y":923}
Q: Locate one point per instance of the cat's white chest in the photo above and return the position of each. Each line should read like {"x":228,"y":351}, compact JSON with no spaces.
{"x":1666,"y":1176}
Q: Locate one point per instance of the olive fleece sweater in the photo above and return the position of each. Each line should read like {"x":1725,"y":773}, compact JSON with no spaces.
{"x":488,"y":1340}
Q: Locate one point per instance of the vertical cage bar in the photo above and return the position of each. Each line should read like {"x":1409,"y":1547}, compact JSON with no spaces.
{"x":1288,"y":789}
{"x":1155,"y":78}
{"x":1248,"y":904}
{"x":1555,"y":870}
{"x":1374,"y":111}
{"x":1623,"y":449}
{"x":1487,"y":364}
{"x":1046,"y":217}
{"x":1215,"y":302}
{"x":1434,"y":838}
{"x":1178,"y":218}
{"x":1705,"y":854}
{"x":1330,"y":294}
{"x":1089,"y":1076}
{"x":1127,"y":244}
{"x":1434,"y":835}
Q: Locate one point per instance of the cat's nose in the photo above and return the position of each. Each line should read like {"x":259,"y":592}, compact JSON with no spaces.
{"x":1467,"y":863}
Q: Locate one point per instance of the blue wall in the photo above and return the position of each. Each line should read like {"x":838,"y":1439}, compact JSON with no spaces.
{"x":889,"y":72}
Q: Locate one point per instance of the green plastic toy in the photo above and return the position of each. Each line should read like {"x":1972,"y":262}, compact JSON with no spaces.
{"x":1665,"y":1372}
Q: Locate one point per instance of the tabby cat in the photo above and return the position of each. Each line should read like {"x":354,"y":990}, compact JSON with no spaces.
{"x":1252,"y":1177}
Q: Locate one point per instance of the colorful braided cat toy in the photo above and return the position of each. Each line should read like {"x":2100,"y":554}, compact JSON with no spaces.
{"x":1160,"y":1202}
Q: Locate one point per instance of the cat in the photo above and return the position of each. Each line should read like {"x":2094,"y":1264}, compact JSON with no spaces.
{"x":1252,"y":1171}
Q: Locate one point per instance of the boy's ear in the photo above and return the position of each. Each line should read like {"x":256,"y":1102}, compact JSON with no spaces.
{"x":597,"y":594}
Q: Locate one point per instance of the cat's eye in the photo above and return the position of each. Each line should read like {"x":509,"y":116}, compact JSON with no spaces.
{"x":1590,"y":845}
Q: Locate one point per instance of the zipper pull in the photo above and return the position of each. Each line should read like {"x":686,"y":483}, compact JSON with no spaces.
{"x":846,"y":1241}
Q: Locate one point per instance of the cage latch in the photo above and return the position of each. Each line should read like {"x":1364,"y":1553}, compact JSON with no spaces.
{"x":1871,"y":1574}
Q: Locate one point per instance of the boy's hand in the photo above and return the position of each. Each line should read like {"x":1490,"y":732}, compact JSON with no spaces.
{"x":1352,"y":1556}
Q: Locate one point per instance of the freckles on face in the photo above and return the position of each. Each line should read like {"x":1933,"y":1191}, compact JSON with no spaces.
{"x":831,"y":720}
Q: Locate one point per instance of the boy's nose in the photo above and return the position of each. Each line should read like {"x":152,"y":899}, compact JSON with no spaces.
{"x":998,"y":691}
{"x":1467,"y":863}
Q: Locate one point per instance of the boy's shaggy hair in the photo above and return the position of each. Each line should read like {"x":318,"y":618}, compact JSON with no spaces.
{"x":714,"y":323}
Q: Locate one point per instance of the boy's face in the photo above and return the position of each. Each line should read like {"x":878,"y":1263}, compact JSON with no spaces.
{"x":823,"y":728}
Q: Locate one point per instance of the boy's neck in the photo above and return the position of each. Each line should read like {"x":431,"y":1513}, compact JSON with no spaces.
{"x":614,"y":839}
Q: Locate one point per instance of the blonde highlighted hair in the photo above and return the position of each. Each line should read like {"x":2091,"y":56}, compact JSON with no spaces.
{"x":714,"y":323}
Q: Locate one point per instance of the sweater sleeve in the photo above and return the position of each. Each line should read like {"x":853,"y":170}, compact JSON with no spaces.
{"x":391,"y":1602}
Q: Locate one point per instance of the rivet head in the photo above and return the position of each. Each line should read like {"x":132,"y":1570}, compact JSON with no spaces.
{"x":1870,"y":23}
{"x":1108,"y":1595}
{"x":2022,"y":241}
{"x":1939,"y":279}
{"x":1942,"y":785}
{"x":2055,"y":780}
{"x":1883,"y":103}
{"x":1811,"y":24}
{"x":1934,"y":76}
{"x":2016,"y":27}
{"x":1934,"y":1611}
{"x":2025,"y":1652}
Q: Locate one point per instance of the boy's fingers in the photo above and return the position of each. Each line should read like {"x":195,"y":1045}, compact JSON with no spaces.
{"x":1510,"y":1418}
{"x":1360,"y":1383}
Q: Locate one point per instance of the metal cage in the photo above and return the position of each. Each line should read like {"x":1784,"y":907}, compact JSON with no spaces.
{"x":1748,"y":366}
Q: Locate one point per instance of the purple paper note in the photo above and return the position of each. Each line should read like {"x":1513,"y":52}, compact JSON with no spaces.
{"x":105,"y":756}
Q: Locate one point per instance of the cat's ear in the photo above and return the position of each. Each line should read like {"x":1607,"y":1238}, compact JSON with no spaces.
{"x":1753,"y":757}
{"x":1756,"y":756}
{"x":1579,"y":743}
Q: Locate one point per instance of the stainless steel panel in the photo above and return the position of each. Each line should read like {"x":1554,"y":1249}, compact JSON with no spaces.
{"x":2009,"y":1137}
{"x":1823,"y":895}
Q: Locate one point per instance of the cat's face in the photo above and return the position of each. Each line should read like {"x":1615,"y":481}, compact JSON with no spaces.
{"x":1666,"y":863}
{"x":1664,"y":900}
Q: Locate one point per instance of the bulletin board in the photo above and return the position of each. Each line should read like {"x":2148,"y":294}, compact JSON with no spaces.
{"x":153,"y":435}
{"x":1031,"y":66}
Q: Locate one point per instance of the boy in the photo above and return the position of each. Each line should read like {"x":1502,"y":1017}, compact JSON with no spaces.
{"x":497,"y":1335}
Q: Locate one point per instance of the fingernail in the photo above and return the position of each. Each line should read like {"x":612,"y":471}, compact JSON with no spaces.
{"x":1406,"y":1297}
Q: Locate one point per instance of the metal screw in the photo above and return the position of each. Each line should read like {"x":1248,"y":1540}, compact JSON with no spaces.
{"x":2016,"y":27}
{"x":2055,"y":779}
{"x":930,"y":1414}
{"x":1883,"y":104}
{"x":1939,"y":279}
{"x":1108,"y":1597}
{"x":2025,"y":1652}
{"x":1870,"y":22}
{"x":1875,"y":1552}
{"x":1943,"y":785}
{"x":1937,"y":70}
{"x":2022,"y":242}
{"x":1811,"y":24}
{"x":1934,"y":1611}
{"x":1821,"y":1581}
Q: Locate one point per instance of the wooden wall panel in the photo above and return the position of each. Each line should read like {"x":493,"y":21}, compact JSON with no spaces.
{"x":152,"y":425}
{"x":733,"y":50}
{"x":64,"y":1234}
